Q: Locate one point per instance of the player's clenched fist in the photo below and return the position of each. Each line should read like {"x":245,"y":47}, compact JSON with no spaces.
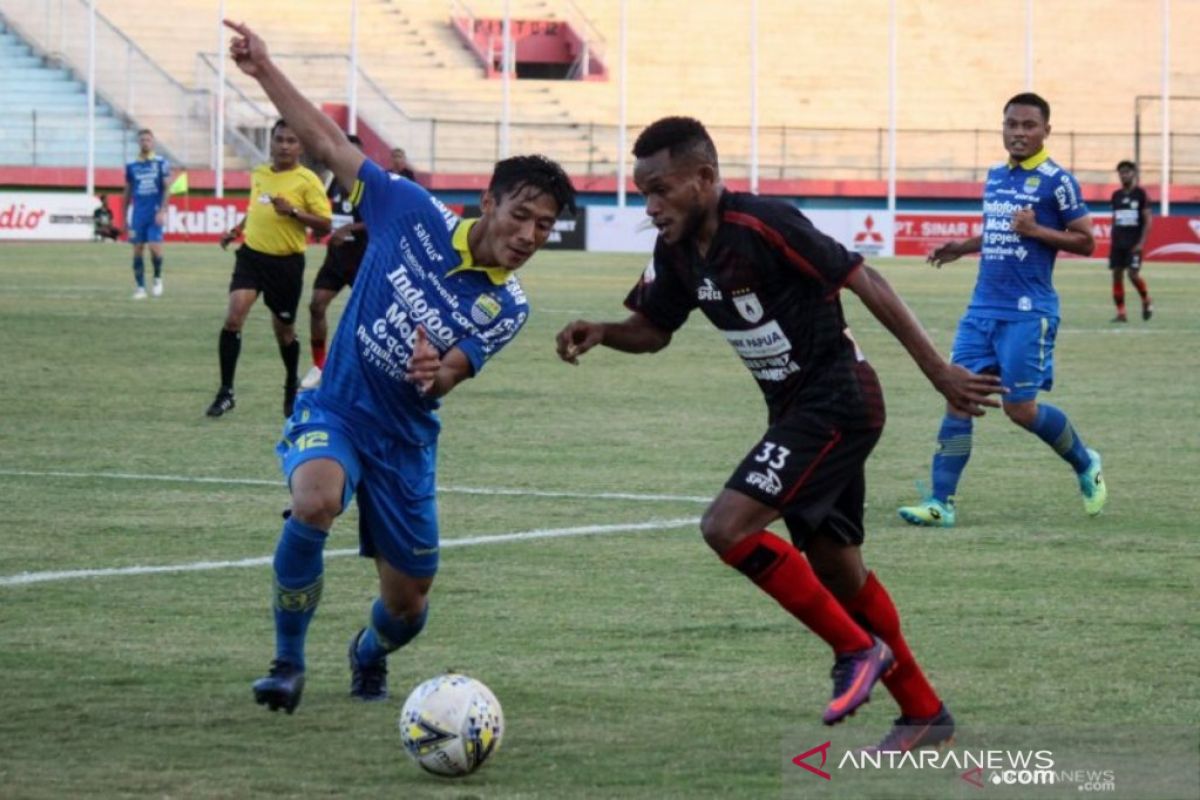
{"x":577,"y":338}
{"x":424,"y":363}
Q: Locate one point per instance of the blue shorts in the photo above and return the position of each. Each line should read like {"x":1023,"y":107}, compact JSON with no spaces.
{"x":395,"y":483}
{"x":142,"y":230}
{"x":1020,"y":351}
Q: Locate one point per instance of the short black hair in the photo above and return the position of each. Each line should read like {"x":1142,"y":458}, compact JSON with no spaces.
{"x":681,"y":136}
{"x":145,"y":130}
{"x":1126,"y":164}
{"x":1030,"y":99}
{"x":279,"y":123}
{"x":537,"y":172}
{"x":354,"y":139}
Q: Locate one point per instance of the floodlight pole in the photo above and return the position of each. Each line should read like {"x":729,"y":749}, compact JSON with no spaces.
{"x":1166,"y":108}
{"x":352,"y":88}
{"x":891,"y":187}
{"x":622,"y":143}
{"x":505,"y":112}
{"x":91,"y":102}
{"x":219,"y":133}
{"x":754,"y":96}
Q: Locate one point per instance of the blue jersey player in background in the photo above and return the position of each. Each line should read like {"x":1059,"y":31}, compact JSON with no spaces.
{"x":146,"y":188}
{"x":1032,"y":208}
{"x":434,"y":299}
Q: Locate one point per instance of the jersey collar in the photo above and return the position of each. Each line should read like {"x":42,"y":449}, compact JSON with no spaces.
{"x":1033,"y":162}
{"x":498,"y":275}
{"x":153,"y":155}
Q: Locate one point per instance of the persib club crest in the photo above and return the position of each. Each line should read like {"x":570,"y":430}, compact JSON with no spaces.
{"x":746,"y":303}
{"x":1031,"y":184}
{"x":485,"y":309}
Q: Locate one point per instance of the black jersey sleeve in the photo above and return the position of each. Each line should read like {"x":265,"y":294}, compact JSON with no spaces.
{"x":660,"y":293}
{"x":805,"y":248}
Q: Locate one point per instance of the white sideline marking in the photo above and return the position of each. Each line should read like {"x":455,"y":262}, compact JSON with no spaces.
{"x":129,"y":476}
{"x":26,"y":578}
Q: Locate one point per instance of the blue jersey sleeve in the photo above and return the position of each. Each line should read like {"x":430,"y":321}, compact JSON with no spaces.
{"x":379,"y":196}
{"x":1068,"y":200}
{"x":480,"y":348}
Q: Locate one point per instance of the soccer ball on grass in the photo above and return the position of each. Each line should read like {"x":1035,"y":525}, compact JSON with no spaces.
{"x":451,"y":725}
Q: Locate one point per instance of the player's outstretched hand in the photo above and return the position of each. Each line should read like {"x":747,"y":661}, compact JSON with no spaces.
{"x":247,"y":49}
{"x":424,"y":363}
{"x":577,"y":338}
{"x":969,"y":392}
{"x":948,"y":252}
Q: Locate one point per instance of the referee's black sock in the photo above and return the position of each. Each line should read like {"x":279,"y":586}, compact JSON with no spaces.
{"x":230,"y":348}
{"x":290,"y":353}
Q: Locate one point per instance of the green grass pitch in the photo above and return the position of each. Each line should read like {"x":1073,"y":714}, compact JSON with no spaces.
{"x":630,"y":663}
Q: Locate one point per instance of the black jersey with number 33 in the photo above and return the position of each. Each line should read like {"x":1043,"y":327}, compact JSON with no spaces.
{"x":770,"y":284}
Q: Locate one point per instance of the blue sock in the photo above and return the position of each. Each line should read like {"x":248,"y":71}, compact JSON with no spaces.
{"x":1052,"y":427}
{"x":954,"y":450}
{"x":157,"y":261}
{"x":299,"y":577}
{"x":387,"y":633}
{"x":139,"y":271}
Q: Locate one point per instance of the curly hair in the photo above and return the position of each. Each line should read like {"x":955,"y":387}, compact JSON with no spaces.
{"x":680,"y":136}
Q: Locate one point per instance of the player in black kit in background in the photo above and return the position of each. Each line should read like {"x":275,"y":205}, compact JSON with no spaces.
{"x":1130,"y":230}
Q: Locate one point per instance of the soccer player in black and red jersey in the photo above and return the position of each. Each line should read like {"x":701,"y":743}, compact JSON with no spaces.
{"x":770,"y":282}
{"x":1130,"y":229}
{"x":343,"y":253}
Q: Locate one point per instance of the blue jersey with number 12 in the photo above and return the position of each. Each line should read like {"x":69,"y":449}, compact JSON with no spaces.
{"x":1015,"y":271}
{"x":417,"y":270}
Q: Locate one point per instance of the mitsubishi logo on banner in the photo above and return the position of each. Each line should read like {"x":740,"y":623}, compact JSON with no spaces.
{"x":873,"y":233}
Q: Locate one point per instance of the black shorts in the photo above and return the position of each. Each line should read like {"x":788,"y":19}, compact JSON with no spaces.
{"x":1123,"y":257}
{"x":340,"y":265}
{"x":279,"y":279}
{"x":812,"y":471}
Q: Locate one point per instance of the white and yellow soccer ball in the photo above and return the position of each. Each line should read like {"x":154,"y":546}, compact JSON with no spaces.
{"x":451,"y":725}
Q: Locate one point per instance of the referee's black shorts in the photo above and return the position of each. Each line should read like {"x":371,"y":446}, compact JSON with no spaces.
{"x":279,"y":279}
{"x":813,"y":471}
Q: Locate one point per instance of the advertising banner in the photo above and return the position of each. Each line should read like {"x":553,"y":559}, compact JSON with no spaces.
{"x":46,"y":216}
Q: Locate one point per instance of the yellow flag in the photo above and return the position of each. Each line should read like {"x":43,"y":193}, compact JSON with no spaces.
{"x":179,"y":185}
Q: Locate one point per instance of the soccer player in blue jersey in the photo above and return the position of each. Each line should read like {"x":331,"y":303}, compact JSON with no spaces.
{"x":146,"y":187}
{"x":1032,"y":208}
{"x":434,"y":299}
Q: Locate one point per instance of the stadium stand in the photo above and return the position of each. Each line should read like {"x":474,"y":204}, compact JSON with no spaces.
{"x":41,"y":108}
{"x":822,"y":79}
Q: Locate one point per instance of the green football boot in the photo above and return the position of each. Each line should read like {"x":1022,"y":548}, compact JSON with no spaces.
{"x":930,"y":512}
{"x":1092,"y":486}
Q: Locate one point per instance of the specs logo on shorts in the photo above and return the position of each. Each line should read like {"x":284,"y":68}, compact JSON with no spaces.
{"x":767,"y":482}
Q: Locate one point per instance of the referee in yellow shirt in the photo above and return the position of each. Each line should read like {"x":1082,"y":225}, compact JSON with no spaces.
{"x":285,"y":198}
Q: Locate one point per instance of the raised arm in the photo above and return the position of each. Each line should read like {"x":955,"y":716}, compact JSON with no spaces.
{"x":636,"y":334}
{"x":964,"y":390}
{"x":321,"y":136}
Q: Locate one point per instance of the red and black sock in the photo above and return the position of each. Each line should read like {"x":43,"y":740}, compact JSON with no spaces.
{"x":318,"y":352}
{"x":781,"y":571}
{"x":1140,"y":285}
{"x":1118,"y":291}
{"x":873,"y":607}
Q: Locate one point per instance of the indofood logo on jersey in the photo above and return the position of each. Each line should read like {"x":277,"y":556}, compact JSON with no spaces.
{"x":485,"y":309}
{"x":419,"y":309}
